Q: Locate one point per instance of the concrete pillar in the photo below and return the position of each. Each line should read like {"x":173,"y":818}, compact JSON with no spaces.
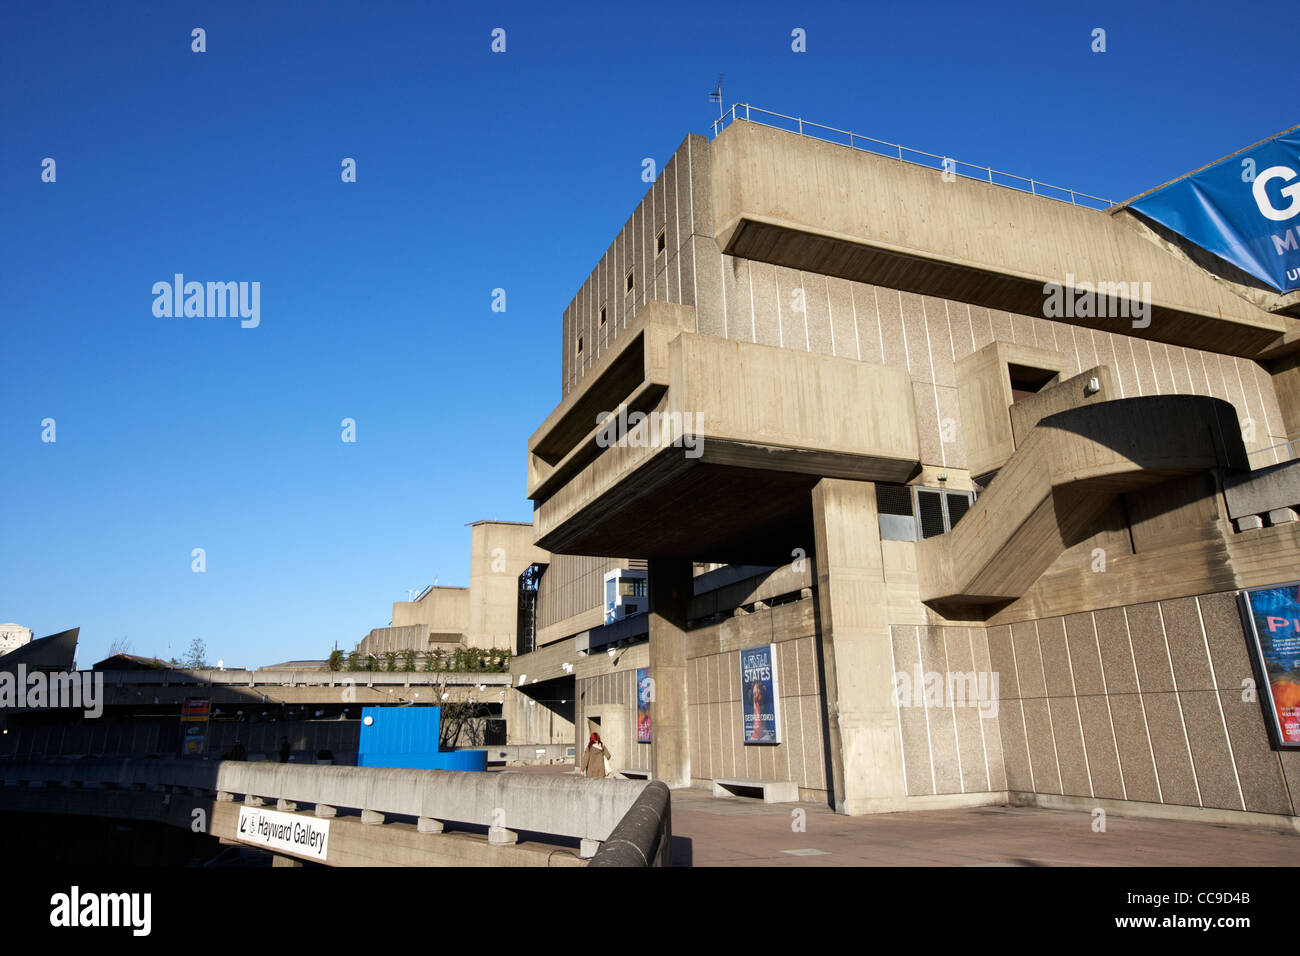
{"x":428,"y":825}
{"x":280,"y":860}
{"x":325,"y":811}
{"x":866,"y":760}
{"x":285,"y":806}
{"x":1250,"y":523}
{"x":670,"y":587}
{"x":500,"y":836}
{"x":587,"y":848}
{"x":371,"y":817}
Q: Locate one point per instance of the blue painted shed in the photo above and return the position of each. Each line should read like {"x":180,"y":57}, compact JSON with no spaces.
{"x":408,"y":737}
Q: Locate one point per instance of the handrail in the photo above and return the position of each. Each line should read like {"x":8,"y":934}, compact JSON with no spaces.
{"x":897,"y":151}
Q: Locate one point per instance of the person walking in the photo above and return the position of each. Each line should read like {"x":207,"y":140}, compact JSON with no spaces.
{"x":595,"y":759}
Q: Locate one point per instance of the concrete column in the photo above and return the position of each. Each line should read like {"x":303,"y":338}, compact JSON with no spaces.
{"x":670,"y":588}
{"x":280,"y":860}
{"x":866,"y":760}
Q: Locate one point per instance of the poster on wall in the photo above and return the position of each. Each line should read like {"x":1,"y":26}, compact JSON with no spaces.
{"x":760,"y":711}
{"x":644,"y":697}
{"x":1274,"y":618}
{"x":194,"y":726}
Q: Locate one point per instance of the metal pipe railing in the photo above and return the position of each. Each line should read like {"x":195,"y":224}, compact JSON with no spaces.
{"x":902,"y":153}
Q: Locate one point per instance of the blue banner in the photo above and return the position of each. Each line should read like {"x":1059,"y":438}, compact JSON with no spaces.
{"x":1245,"y":209}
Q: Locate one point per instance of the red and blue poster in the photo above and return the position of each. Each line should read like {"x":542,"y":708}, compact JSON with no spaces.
{"x":760,"y":702}
{"x":194,"y":725}
{"x":644,"y":698}
{"x":1274,"y":615}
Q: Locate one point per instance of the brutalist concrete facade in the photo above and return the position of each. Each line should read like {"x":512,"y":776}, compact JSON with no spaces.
{"x":840,"y":331}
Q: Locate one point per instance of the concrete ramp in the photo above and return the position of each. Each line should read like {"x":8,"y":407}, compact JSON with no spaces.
{"x":1050,"y":493}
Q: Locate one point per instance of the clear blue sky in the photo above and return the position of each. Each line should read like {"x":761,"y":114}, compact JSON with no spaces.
{"x":475,"y":171}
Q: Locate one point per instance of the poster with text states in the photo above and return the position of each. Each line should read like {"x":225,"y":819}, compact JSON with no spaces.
{"x":760,"y":700}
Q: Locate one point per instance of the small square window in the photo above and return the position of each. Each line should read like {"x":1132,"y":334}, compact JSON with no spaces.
{"x":602,"y":315}
{"x":628,"y":282}
{"x":1026,"y":381}
{"x":661,"y":241}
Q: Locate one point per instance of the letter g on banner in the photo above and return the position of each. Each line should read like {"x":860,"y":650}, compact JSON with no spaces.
{"x":1265,"y":204}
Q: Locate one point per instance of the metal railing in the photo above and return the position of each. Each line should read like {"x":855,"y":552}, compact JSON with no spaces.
{"x":917,"y":157}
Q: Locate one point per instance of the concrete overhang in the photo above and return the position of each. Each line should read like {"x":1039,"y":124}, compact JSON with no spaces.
{"x":1051,"y":492}
{"x":597,"y":639}
{"x":756,"y":428}
{"x":633,"y":371}
{"x":821,"y":207}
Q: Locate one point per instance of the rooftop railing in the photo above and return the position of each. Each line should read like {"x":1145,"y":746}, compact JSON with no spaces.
{"x":917,"y":157}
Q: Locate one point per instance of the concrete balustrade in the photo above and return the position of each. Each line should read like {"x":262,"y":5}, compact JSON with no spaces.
{"x":1271,"y":493}
{"x":507,"y":803}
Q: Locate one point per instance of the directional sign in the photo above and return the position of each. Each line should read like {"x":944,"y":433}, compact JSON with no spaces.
{"x":284,"y":832}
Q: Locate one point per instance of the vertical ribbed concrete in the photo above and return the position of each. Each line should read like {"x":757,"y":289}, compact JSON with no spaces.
{"x":862,"y":732}
{"x":670,"y":590}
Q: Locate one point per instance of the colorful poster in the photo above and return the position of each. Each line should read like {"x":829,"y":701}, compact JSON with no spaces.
{"x":1274,"y":615}
{"x":760,"y":701}
{"x":644,"y":697}
{"x":194,"y":725}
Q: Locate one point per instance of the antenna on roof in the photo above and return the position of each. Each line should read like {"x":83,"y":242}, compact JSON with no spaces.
{"x":716,"y":96}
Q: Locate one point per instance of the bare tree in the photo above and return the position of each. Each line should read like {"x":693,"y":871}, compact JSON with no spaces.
{"x":120,"y":646}
{"x":463,"y":723}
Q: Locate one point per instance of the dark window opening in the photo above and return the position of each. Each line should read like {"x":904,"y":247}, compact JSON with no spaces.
{"x":1026,"y":381}
{"x":526,"y":622}
{"x":893,"y":499}
{"x":661,"y":241}
{"x":913,"y":512}
{"x":929,"y":508}
{"x":579,"y":344}
{"x":628,"y":282}
{"x":958,"y":504}
{"x":602,"y":315}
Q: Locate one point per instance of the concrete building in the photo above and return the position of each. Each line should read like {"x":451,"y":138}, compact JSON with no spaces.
{"x":815,"y":392}
{"x":483,"y":615}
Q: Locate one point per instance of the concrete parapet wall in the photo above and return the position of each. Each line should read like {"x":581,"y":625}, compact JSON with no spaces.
{"x":569,"y":806}
{"x":1263,"y":490}
{"x":645,"y":834}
